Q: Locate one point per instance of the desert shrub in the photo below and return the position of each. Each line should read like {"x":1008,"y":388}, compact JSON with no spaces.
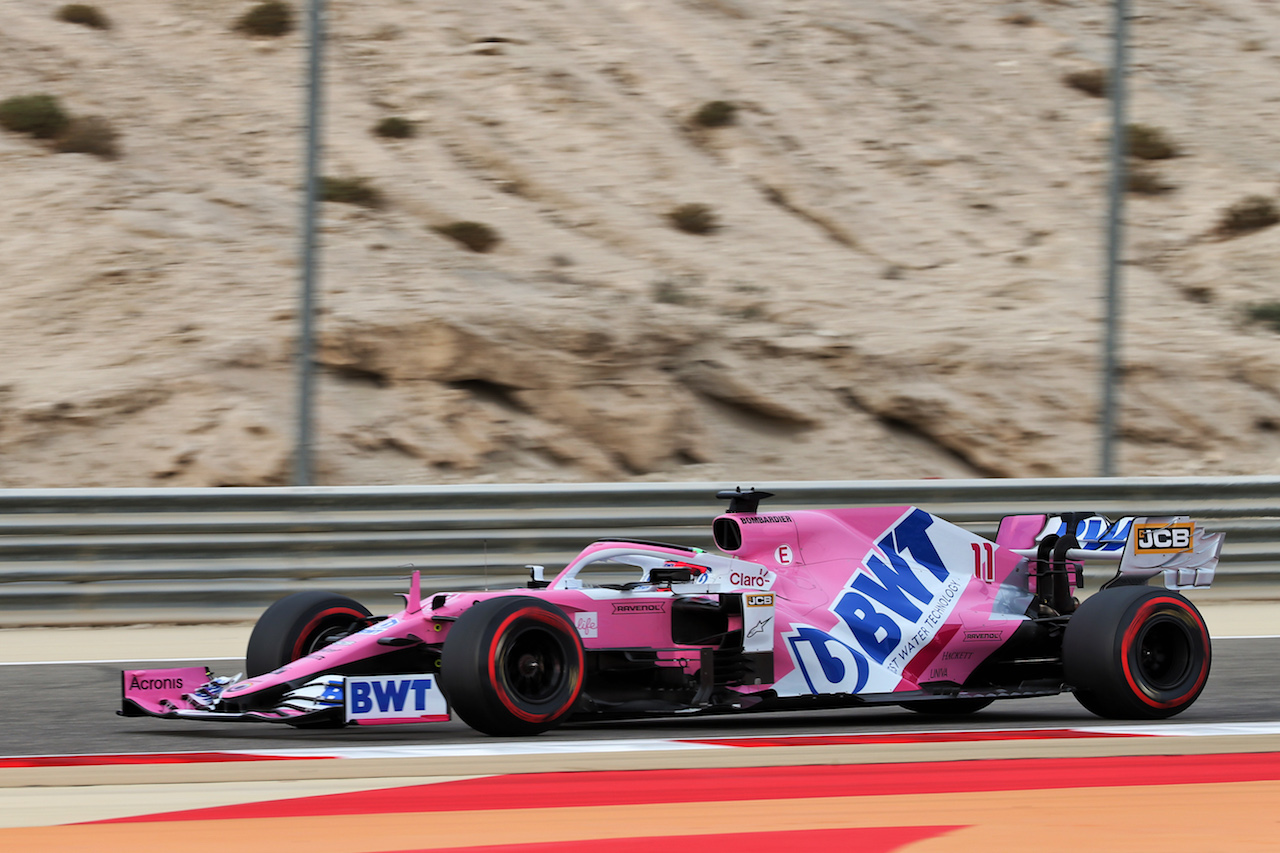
{"x":1146,"y":182}
{"x":1091,"y":81}
{"x":476,"y":236}
{"x":1198,"y":293}
{"x":88,"y":135}
{"x":270,"y":18}
{"x":1265,"y":313}
{"x":694,"y":219}
{"x":39,"y":115}
{"x":1251,"y":213}
{"x":83,"y":14}
{"x":394,"y":127}
{"x":1020,"y":19}
{"x":1149,"y":143}
{"x":677,"y":290}
{"x":716,"y":114}
{"x":356,"y":191}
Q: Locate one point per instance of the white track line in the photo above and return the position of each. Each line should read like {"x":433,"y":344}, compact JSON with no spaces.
{"x":1190,"y":729}
{"x":542,"y":747}
{"x":200,"y":658}
{"x":484,"y":748}
{"x":120,"y":661}
{"x":1249,"y":637}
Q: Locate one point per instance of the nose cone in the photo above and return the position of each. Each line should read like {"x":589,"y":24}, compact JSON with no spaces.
{"x":238,"y":687}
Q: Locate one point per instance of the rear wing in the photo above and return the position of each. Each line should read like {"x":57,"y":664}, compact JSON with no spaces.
{"x":1142,"y":547}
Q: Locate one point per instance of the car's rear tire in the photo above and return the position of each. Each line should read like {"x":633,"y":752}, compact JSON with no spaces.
{"x":512,"y":666}
{"x":1136,"y":653}
{"x":299,"y":624}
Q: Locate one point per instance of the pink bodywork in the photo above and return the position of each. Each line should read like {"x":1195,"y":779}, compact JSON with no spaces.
{"x":949,"y":614}
{"x":830,"y":548}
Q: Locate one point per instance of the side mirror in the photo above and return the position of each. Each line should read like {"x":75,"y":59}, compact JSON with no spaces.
{"x":667,"y":576}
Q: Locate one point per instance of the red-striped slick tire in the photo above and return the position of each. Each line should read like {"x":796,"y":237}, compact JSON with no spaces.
{"x":1136,"y":653}
{"x":512,"y":666}
{"x":299,"y":624}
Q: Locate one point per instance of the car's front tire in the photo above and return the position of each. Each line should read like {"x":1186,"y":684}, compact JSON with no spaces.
{"x":512,"y":666}
{"x":299,"y":624}
{"x":1136,"y":652}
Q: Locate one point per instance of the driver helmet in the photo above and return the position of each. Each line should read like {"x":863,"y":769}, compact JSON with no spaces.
{"x":697,"y":574}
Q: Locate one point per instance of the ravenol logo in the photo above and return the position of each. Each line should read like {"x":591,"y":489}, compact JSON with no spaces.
{"x":1162,"y":538}
{"x":395,"y":697}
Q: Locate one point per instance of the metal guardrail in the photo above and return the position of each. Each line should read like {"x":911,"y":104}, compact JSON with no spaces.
{"x":111,"y":548}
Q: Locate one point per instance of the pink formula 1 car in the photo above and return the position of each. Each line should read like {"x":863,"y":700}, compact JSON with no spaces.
{"x":817,"y":608}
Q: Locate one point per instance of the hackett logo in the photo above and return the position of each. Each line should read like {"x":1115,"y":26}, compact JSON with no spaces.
{"x":640,"y":607}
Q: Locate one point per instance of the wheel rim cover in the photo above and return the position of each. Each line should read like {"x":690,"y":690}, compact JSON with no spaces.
{"x":533,"y":665}
{"x":1164,"y":654}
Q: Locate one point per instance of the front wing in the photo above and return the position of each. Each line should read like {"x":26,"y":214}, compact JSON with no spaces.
{"x":194,"y":693}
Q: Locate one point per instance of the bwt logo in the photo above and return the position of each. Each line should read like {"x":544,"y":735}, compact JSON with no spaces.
{"x":828,"y":665}
{"x":897,"y":586}
{"x":1159,"y":539}
{"x":888,"y":612}
{"x":389,"y":695}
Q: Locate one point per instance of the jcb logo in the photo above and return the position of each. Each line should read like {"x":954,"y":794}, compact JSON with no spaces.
{"x":760,"y":600}
{"x":1161,"y":539}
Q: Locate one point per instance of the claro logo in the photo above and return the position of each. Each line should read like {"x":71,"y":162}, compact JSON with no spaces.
{"x":740,"y":579}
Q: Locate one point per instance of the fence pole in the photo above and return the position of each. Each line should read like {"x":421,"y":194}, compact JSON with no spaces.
{"x":1115,"y":237}
{"x":306,"y":308}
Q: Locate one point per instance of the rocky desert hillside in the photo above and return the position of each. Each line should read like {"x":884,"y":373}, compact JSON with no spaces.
{"x":905,"y":280}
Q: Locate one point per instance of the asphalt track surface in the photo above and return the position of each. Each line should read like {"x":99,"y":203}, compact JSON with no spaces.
{"x":1023,"y":774}
{"x":69,"y":709}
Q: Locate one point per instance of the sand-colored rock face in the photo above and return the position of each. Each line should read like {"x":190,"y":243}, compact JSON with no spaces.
{"x":906,"y":280}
